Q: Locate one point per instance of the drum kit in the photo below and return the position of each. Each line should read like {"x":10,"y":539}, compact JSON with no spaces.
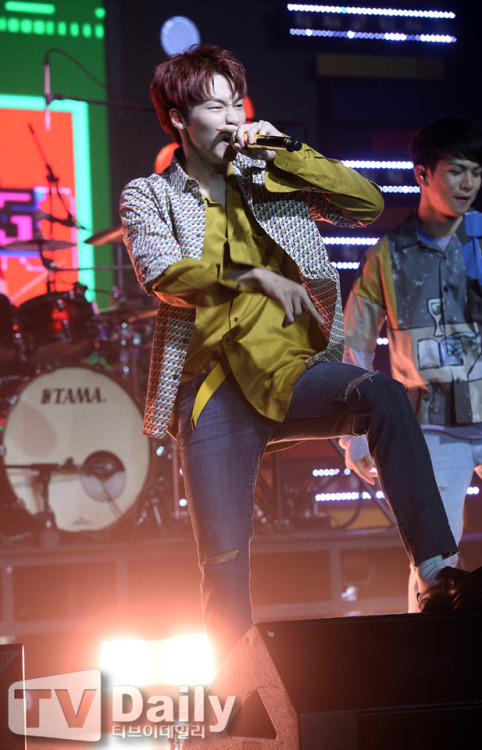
{"x":72,"y":384}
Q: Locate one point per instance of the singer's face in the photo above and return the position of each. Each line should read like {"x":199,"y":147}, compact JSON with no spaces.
{"x":452,"y":186}
{"x":208,"y":130}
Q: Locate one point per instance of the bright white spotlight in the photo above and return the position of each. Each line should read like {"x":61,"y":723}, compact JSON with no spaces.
{"x":181,"y":660}
{"x":126,"y":661}
{"x":188,"y":660}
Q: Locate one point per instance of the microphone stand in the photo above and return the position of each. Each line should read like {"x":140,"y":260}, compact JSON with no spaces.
{"x":53,"y":182}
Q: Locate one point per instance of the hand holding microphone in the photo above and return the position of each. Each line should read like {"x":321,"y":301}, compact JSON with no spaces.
{"x":269,"y":144}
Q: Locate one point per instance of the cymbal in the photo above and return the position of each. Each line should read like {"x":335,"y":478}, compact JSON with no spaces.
{"x":36,"y":245}
{"x":126,"y":315}
{"x":105,"y":236}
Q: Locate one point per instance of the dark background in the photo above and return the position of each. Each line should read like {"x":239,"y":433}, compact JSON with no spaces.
{"x":343,"y":117}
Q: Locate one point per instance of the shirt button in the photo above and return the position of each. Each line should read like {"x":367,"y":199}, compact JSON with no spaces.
{"x":236,"y":320}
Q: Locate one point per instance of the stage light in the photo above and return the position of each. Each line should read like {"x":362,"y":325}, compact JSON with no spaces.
{"x":424,"y":26}
{"x":404,"y":189}
{"x":21,"y":7}
{"x":350,"y":240}
{"x":177,"y":34}
{"x":181,"y":660}
{"x":330,"y":497}
{"x":189,"y":660}
{"x":325,"y":472}
{"x":433,"y":38}
{"x":126,"y":662}
{"x":374,"y":164}
{"x":388,"y":12}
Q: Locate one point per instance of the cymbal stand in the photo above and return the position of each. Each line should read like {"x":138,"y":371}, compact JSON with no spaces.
{"x":120,"y":267}
{"x":164,"y":494}
{"x":175,"y":480}
{"x":50,"y":267}
{"x":128,"y":356}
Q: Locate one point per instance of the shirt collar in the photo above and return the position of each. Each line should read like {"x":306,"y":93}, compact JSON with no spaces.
{"x":409,"y":235}
{"x":180,"y":180}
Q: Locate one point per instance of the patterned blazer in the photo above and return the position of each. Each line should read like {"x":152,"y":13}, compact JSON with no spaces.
{"x":163,"y":220}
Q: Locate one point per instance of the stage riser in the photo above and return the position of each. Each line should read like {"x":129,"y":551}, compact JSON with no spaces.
{"x":47,"y":590}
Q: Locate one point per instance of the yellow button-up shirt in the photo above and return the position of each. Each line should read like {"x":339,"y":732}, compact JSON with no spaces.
{"x":241,"y":328}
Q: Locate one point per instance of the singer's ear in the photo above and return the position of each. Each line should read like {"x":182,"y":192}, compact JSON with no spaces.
{"x":420,"y":174}
{"x":177,"y":119}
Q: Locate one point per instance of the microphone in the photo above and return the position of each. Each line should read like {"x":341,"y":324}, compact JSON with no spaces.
{"x":278,"y":141}
{"x":47,"y":92}
{"x":274,"y":141}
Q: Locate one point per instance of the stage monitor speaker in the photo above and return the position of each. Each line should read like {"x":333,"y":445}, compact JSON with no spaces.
{"x":11,"y":670}
{"x":389,"y":682}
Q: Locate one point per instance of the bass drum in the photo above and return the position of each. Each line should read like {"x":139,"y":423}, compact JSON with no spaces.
{"x":82,"y":430}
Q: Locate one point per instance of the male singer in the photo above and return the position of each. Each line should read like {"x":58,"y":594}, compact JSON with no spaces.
{"x":249,"y":339}
{"x":425,"y":278}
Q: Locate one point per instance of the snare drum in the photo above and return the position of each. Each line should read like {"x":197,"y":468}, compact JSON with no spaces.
{"x":87,"y":424}
{"x":57,"y":327}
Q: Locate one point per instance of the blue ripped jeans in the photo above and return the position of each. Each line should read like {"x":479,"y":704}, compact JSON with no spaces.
{"x":221,"y":456}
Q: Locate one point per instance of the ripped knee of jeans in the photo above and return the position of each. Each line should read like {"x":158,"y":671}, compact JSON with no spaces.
{"x":221,"y":557}
{"x":353,"y":385}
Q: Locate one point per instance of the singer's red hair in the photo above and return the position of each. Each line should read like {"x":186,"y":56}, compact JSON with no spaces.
{"x":185,"y":79}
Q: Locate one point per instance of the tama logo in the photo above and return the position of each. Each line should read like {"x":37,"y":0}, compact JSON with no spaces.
{"x":71,"y":396}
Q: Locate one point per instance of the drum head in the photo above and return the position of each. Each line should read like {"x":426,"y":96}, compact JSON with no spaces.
{"x":87,"y":427}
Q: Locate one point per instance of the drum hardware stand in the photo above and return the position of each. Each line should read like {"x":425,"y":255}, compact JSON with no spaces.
{"x":101,"y":464}
{"x":152,"y":503}
{"x":169,"y":452}
{"x":47,"y":526}
{"x":175,"y":480}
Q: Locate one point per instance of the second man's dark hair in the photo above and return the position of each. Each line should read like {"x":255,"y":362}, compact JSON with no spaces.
{"x":447,"y":136}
